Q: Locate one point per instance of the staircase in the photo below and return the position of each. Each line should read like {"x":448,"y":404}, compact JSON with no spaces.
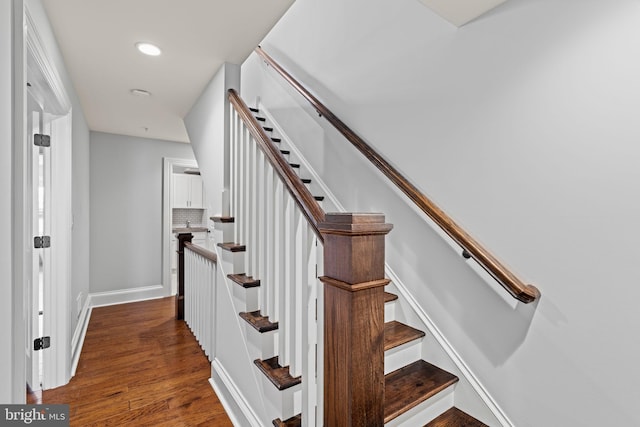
{"x":416,"y":392}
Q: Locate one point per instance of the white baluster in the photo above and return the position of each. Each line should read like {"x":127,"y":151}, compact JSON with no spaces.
{"x":233,"y":120}
{"x":278,"y":254}
{"x":187,"y":291}
{"x":246,"y":222}
{"x":291,"y":226}
{"x":269,"y":244}
{"x":251,"y":205}
{"x":261,"y":240}
{"x":309,"y":337}
{"x":300,"y":284}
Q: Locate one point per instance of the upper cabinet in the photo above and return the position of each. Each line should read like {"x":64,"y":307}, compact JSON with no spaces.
{"x":187,"y":191}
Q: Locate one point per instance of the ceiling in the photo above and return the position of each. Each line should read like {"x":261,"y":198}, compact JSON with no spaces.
{"x":97,"y":39}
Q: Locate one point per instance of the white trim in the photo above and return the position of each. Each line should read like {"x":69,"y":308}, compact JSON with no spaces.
{"x":123,"y":296}
{"x":78,"y":336}
{"x":232,"y":399}
{"x":167,"y":170}
{"x":60,"y":103}
{"x":57,"y":361}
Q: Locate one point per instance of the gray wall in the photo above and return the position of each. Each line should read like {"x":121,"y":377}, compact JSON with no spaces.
{"x":126,"y":209}
{"x":523,"y":126}
{"x":207,"y":124}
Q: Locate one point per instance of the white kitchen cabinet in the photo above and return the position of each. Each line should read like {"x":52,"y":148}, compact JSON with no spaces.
{"x":187,"y":191}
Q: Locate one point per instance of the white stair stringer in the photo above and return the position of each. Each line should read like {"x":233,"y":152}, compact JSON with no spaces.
{"x":238,"y":394}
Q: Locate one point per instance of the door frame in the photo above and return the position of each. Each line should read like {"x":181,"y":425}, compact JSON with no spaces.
{"x":36,"y":63}
{"x":167,"y":191}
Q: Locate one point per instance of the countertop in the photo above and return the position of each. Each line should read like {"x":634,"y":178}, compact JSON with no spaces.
{"x":188,"y":229}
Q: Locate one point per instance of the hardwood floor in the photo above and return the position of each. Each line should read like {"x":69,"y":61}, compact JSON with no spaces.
{"x":139,"y":366}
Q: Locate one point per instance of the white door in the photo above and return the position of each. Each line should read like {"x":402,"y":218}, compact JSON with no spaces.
{"x":38,"y":124}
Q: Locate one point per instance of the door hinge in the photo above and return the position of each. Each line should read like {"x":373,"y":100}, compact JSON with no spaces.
{"x":42,"y":140}
{"x":42,"y":242}
{"x":41,"y":343}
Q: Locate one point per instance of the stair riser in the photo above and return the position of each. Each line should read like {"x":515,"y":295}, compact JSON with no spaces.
{"x":390,"y":311}
{"x":279,"y":403}
{"x":403,"y":355}
{"x":426,"y":411}
{"x":244,"y":299}
{"x":233,"y":262}
{"x":260,"y":345}
{"x":223,"y":232}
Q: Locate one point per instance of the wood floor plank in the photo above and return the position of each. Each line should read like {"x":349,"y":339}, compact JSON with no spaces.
{"x":139,"y":366}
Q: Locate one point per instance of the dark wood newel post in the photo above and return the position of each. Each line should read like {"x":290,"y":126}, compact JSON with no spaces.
{"x":354,"y":318}
{"x":182,"y":239}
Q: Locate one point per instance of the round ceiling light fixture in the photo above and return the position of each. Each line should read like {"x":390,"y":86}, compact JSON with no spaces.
{"x":148,"y":48}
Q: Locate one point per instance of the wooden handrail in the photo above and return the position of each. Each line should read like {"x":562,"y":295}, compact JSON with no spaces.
{"x":471,"y":248}
{"x":300,"y":193}
{"x":210,"y":255}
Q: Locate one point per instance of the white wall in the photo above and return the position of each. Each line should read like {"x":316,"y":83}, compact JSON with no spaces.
{"x":207,"y":124}
{"x":126,"y":209}
{"x":7,"y":315}
{"x":522,"y":125}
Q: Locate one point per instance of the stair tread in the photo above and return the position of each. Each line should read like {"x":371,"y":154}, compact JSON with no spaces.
{"x":411,"y":385}
{"x":306,"y":180}
{"x":244,"y":280}
{"x":388,"y":297}
{"x":267,"y":128}
{"x":233,"y":247}
{"x":276,"y":139}
{"x":255,"y":110}
{"x":295,"y":421}
{"x":261,"y":119}
{"x":286,"y":152}
{"x":259,"y":322}
{"x":454,"y":417}
{"x":319,"y":198}
{"x":396,"y":334}
{"x":224,"y":219}
{"x":278,"y":375}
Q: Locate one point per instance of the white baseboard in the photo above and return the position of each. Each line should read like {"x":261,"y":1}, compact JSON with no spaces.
{"x":123,"y":296}
{"x":231,"y":397}
{"x":78,"y":336}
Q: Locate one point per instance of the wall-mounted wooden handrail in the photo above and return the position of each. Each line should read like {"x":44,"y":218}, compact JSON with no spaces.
{"x":471,"y":248}
{"x":300,"y":193}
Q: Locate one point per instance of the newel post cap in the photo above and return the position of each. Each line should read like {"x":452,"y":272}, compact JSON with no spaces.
{"x":354,"y":224}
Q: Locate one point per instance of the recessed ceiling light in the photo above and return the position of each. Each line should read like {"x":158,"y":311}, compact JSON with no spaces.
{"x":148,"y":49}
{"x":140,"y":92}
